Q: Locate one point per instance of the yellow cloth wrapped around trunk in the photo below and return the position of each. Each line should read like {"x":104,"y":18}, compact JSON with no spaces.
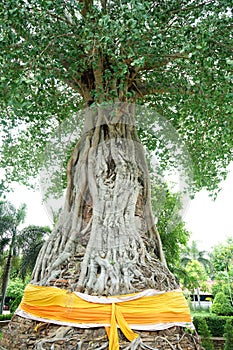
{"x":137,"y":311}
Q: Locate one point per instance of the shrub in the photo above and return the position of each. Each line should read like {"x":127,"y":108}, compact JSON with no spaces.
{"x":5,"y":317}
{"x":15,"y":288}
{"x":228,"y":335}
{"x":14,"y":305}
{"x":205,"y":335}
{"x":215,"y":323}
{"x":221,"y":305}
{"x":15,"y":291}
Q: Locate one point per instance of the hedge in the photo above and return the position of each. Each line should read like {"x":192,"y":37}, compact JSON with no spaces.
{"x":5,"y":317}
{"x":215,"y":323}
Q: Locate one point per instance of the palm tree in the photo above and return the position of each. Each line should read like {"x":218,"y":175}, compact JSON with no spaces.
{"x":10,"y":219}
{"x":193,"y":253}
{"x":30,"y":240}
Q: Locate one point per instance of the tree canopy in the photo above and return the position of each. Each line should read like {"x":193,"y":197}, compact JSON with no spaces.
{"x":174,"y":56}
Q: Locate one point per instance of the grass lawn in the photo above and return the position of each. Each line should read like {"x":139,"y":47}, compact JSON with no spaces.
{"x":200,"y":313}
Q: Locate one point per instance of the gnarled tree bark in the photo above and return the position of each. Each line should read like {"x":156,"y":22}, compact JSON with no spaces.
{"x":107,"y":215}
{"x":105,"y":242}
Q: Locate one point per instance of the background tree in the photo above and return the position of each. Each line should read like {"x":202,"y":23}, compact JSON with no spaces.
{"x":31,"y":240}
{"x":174,"y":235}
{"x":191,"y":252}
{"x":194,"y":279}
{"x":222,"y":266}
{"x":228,"y":335}
{"x":58,"y":57}
{"x":222,"y":305}
{"x":205,"y":334}
{"x":10,"y":219}
{"x":14,"y":292}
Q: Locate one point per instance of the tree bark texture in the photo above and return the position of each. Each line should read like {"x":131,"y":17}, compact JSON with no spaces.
{"x":105,"y":242}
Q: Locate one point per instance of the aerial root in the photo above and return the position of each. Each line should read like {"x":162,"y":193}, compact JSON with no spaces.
{"x":67,"y":338}
{"x":137,"y":344}
{"x":102,"y":347}
{"x":58,"y":335}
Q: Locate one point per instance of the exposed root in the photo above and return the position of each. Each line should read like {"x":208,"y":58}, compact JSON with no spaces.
{"x":73,"y":338}
{"x":100,"y":245}
{"x":144,"y":346}
{"x":137,"y":344}
{"x":104,"y":346}
{"x":134,"y":344}
{"x":59,"y":335}
{"x":167,"y":341}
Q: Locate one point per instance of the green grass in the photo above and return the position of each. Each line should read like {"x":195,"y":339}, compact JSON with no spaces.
{"x":200,"y":313}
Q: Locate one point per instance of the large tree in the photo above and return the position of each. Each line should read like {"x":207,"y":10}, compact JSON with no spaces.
{"x":59,"y":57}
{"x":10,"y":219}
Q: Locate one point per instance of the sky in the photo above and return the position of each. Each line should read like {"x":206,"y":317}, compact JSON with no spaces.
{"x":210,"y":222}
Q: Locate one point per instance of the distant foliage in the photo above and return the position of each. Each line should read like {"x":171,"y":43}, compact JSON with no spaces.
{"x":5,"y":317}
{"x":171,"y":227}
{"x":215,"y":323}
{"x":222,"y":268}
{"x":205,"y":334}
{"x":15,"y":291}
{"x":221,"y":305}
{"x":32,"y":239}
{"x":228,"y":335}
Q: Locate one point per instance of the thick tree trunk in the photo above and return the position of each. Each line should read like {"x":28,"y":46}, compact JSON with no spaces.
{"x":107,"y":218}
{"x":105,"y":242}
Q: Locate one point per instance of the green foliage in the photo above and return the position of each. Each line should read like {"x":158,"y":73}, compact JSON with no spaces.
{"x":174,"y":57}
{"x":193,"y":253}
{"x":222,"y":268}
{"x":221,"y":305}
{"x":195,"y":276}
{"x":15,"y":288}
{"x":205,"y":334}
{"x":10,"y":219}
{"x":15,"y":291}
{"x":5,"y":317}
{"x":15,"y":303}
{"x":171,"y":227}
{"x":228,"y":335}
{"x":31,"y":240}
{"x":221,"y":284}
{"x":215,"y":323}
{"x":222,"y":256}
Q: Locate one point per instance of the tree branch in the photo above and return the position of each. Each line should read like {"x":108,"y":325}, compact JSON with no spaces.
{"x":192,"y":7}
{"x":143,"y":89}
{"x":163,"y":62}
{"x":66,"y":20}
{"x":86,"y":6}
{"x":98,"y":73}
